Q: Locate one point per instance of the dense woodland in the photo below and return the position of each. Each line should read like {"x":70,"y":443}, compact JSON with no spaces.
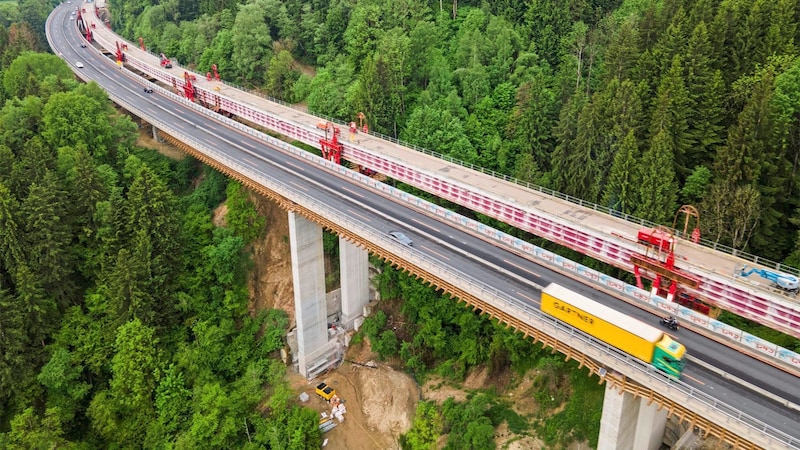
{"x":638,"y":105}
{"x":123,"y":310}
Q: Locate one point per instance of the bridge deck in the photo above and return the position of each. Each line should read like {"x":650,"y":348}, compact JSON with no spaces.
{"x":697,"y":259}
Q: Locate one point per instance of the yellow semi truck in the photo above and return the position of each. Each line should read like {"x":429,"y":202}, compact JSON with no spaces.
{"x":626,"y":333}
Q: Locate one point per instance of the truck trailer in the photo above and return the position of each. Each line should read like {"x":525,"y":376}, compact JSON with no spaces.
{"x":626,"y":333}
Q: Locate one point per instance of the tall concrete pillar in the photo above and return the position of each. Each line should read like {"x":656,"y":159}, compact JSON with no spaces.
{"x":156,"y":137}
{"x":354,"y":265}
{"x":308,"y":273}
{"x":650,"y":426}
{"x":629,"y":423}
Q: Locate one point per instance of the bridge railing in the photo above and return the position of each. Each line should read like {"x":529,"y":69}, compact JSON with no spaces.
{"x":720,"y":412}
{"x":634,"y":368}
{"x":765,"y":349}
{"x":575,"y":200}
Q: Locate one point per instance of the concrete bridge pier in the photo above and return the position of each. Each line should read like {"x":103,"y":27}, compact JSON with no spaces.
{"x":156,"y":137}
{"x":629,"y":423}
{"x":354,"y":270}
{"x":315,"y":352}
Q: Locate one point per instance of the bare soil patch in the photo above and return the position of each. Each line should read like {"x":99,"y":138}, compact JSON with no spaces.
{"x":381,"y":401}
{"x":146,"y":140}
{"x":270,"y":282}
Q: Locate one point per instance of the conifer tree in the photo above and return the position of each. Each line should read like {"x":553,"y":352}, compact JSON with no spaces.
{"x":14,"y":347}
{"x":706,"y":91}
{"x":669,"y":117}
{"x":47,"y":238}
{"x":621,"y":51}
{"x":583,"y":173}
{"x":565,"y":133}
{"x":11,"y":254}
{"x":532,"y":120}
{"x":620,"y":191}
{"x":657,"y":187}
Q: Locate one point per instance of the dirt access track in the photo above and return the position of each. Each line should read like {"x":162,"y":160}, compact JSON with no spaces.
{"x":380,"y":405}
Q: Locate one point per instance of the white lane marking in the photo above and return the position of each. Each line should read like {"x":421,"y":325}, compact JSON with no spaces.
{"x":300,"y":168}
{"x":298,"y":186}
{"x":436,"y":253}
{"x":522,"y":268}
{"x":361,"y":216}
{"x":355,"y":194}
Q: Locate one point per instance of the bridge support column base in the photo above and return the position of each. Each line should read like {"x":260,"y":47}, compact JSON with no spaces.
{"x":629,"y":423}
{"x":308,"y":273}
{"x":156,"y":137}
{"x":354,"y":270}
{"x":688,"y":440}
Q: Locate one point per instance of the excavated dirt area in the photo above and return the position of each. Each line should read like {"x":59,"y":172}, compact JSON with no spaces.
{"x":270,"y":281}
{"x":380,"y":400}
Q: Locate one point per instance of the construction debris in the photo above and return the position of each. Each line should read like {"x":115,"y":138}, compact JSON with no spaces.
{"x":338,"y":410}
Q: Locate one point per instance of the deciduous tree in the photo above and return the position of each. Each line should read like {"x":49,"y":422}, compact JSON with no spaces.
{"x":252,"y":44}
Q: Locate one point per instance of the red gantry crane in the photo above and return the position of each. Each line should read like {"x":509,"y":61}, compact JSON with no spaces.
{"x":658,"y":263}
{"x":330,"y":145}
{"x":82,"y":26}
{"x":188,"y":88}
{"x":120,"y":56}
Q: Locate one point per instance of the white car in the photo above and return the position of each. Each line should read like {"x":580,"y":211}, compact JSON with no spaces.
{"x":79,"y":65}
{"x":400,"y":237}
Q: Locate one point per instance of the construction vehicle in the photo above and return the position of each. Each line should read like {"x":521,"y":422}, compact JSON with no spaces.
{"x":784,"y":281}
{"x":165,"y":62}
{"x":325,"y":391}
{"x":630,"y":335}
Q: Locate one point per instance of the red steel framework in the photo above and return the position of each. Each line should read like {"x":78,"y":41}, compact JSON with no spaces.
{"x":720,"y":291}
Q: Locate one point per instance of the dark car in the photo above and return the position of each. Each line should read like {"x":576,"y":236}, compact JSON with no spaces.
{"x":401,"y":237}
{"x":148,"y":90}
{"x":83,"y":45}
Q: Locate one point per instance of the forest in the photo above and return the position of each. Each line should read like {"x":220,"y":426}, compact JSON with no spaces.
{"x":123,"y":309}
{"x":638,"y":105}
